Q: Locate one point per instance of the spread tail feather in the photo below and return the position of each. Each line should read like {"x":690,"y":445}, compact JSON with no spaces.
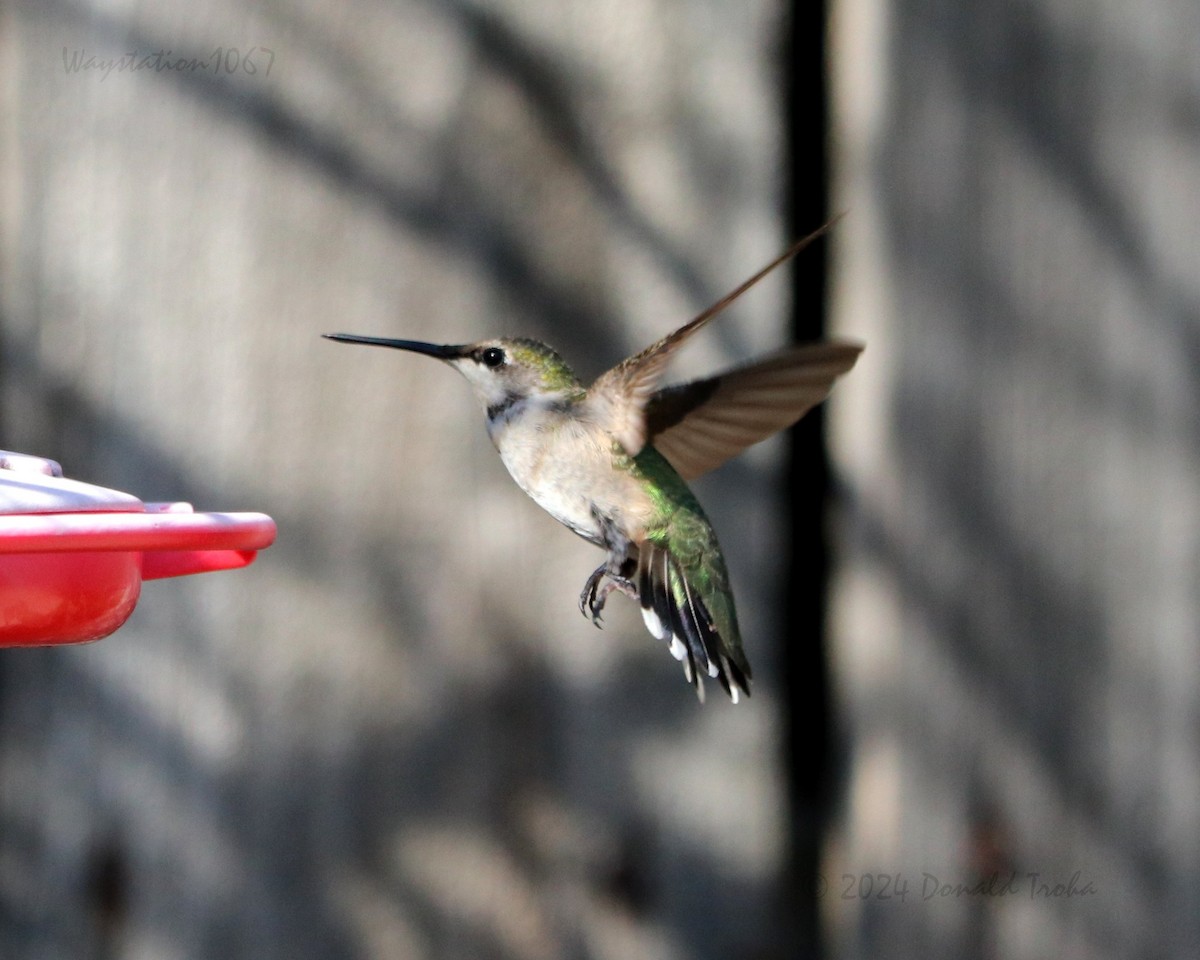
{"x":674,"y":611}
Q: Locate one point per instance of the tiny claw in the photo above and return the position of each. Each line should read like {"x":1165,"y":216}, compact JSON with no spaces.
{"x":595,"y":591}
{"x":587,"y":597}
{"x":597,"y":602}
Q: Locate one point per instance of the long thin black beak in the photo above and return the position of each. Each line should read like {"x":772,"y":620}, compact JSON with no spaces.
{"x":414,"y":346}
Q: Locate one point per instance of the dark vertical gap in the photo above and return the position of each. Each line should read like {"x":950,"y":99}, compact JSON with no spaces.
{"x":805,"y":662}
{"x":107,"y":895}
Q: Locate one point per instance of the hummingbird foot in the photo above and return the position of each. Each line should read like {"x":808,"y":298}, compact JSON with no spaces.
{"x":597,"y":588}
{"x":619,"y":569}
{"x":591,"y":602}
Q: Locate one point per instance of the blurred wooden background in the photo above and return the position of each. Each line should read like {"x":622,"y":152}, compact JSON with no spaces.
{"x":1016,"y":617}
{"x":394,"y":736}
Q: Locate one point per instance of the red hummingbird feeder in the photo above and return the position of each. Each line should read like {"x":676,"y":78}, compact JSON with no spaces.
{"x":73,"y":556}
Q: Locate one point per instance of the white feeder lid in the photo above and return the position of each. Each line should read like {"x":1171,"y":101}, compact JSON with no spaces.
{"x":36,"y":485}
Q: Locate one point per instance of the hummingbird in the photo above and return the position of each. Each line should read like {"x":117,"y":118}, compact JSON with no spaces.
{"x":612,"y":462}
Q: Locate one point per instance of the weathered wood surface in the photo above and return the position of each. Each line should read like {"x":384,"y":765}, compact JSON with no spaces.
{"x":1017,"y":623}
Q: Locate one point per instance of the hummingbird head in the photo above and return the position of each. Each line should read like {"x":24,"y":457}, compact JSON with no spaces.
{"x":502,"y":372}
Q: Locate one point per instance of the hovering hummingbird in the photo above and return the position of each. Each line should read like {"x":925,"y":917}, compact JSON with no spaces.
{"x":611,"y":461}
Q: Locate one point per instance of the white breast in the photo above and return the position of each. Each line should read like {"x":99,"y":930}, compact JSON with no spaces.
{"x":565,"y":465}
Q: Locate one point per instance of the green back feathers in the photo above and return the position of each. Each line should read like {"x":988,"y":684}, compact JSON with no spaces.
{"x":670,"y":494}
{"x":555,"y":374}
{"x":686,"y":532}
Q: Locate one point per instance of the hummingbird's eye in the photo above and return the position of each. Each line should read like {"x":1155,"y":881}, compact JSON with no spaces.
{"x":493,"y":357}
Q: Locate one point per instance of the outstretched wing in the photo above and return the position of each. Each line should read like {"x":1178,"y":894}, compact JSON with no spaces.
{"x":619,"y":397}
{"x":697,"y":426}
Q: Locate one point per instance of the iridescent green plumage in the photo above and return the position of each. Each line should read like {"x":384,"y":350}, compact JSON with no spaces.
{"x":555,"y":374}
{"x":693,"y":572}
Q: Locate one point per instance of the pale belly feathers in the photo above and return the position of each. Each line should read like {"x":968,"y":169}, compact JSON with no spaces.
{"x":566,"y":466}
